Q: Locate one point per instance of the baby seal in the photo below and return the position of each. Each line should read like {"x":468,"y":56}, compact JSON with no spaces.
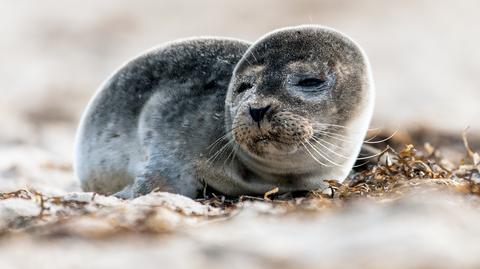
{"x":289,"y":111}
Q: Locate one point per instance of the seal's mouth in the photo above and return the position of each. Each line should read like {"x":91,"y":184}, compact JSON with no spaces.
{"x":261,"y":139}
{"x":280,"y":134}
{"x":267,"y":145}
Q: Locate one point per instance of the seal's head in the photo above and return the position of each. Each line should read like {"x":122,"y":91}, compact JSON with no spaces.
{"x":297,"y":96}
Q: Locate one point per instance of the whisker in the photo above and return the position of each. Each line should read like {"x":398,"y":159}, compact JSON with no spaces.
{"x":383,"y":140}
{"x":321,"y":154}
{"x":341,"y":126}
{"x":222,"y":137}
{"x":218,"y":152}
{"x":374,"y":129}
{"x":374,"y":155}
{"x":311,"y":155}
{"x":228,"y":157}
{"x":249,"y":63}
{"x":214,"y":144}
{"x":344,"y":138}
{"x":374,"y":136}
{"x":253,"y":55}
{"x":331,"y":135}
{"x":379,"y":155}
{"x":332,"y":125}
{"x":235,"y":149}
{"x":362,"y":164}
{"x":320,"y":141}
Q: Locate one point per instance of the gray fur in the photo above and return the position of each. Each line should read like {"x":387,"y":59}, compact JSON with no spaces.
{"x":155,"y":123}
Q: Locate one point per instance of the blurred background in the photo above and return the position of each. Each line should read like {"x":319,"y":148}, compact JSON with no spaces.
{"x":54,"y":54}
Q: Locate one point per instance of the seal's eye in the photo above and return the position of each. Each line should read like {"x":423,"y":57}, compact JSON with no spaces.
{"x":310,"y":82}
{"x":243,"y":87}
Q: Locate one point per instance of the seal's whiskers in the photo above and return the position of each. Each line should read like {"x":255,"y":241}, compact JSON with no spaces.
{"x":322,"y":154}
{"x":223,"y":137}
{"x":311,"y":155}
{"x":333,"y":135}
{"x":342,"y":126}
{"x":229,"y":155}
{"x":212,"y":159}
{"x":380,"y":141}
{"x":235,"y":150}
{"x":321,"y":141}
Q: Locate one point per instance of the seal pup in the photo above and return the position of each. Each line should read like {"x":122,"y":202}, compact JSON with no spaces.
{"x":289,"y":111}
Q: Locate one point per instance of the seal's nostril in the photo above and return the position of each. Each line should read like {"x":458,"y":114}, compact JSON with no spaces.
{"x":258,"y":114}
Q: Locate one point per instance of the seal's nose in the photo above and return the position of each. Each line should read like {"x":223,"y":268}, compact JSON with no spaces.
{"x":258,"y":114}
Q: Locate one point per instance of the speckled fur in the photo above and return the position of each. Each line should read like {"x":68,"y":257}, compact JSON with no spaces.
{"x":154,"y":124}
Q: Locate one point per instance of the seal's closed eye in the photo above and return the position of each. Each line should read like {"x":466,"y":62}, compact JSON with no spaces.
{"x":310,"y":82}
{"x":314,"y":84}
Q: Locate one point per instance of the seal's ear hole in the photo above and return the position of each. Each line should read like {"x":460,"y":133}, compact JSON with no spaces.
{"x":310,"y":82}
{"x":244,"y":86}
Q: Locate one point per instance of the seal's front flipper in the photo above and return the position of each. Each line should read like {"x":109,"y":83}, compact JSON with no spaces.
{"x":141,"y":186}
{"x":126,"y":193}
{"x":153,"y":181}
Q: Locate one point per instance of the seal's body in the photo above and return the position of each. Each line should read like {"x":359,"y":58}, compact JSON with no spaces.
{"x":289,"y":111}
{"x":155,"y":116}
